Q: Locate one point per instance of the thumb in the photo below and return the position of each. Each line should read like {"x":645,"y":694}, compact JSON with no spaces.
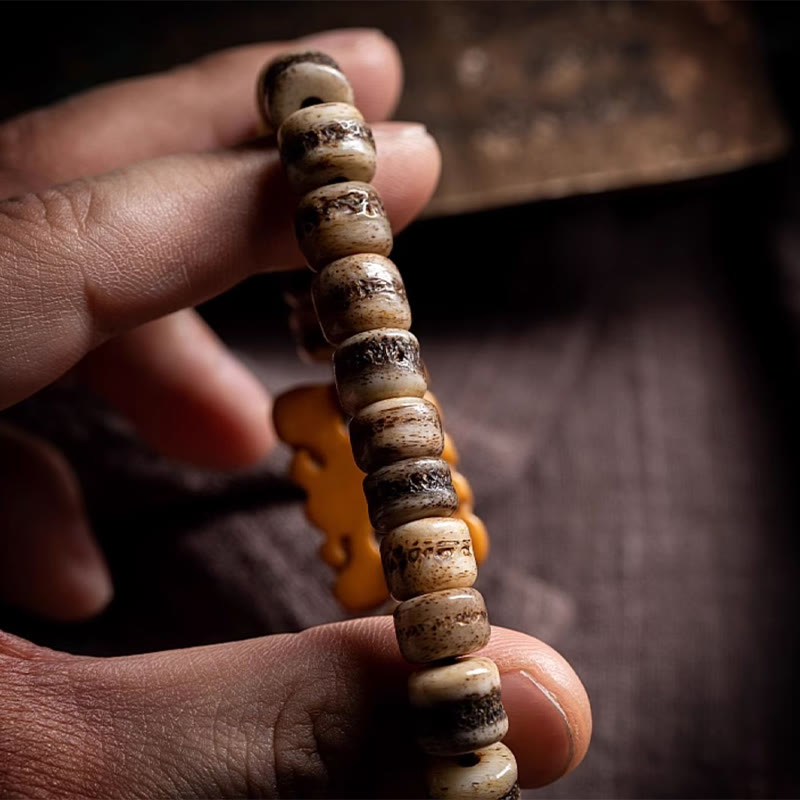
{"x":319,"y":713}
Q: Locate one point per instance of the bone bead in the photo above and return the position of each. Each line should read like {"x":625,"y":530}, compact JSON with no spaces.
{"x":428,"y":555}
{"x":360,"y":293}
{"x":458,"y":707}
{"x":328,"y":143}
{"x":376,"y":365}
{"x":409,"y":490}
{"x":340,"y":220}
{"x":298,"y":80}
{"x":444,"y":624}
{"x":393,"y":430}
{"x":488,"y":774}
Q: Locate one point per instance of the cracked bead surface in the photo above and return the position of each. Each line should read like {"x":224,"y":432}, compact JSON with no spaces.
{"x":297,"y":80}
{"x":428,"y":555}
{"x":326,"y":143}
{"x":444,"y":624}
{"x":339,"y":220}
{"x":395,"y":429}
{"x":409,"y":490}
{"x":487,"y":774}
{"x":376,"y":365}
{"x":458,"y":707}
{"x":360,"y":293}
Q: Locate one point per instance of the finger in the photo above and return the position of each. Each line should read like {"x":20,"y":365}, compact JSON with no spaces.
{"x":49,"y":561}
{"x":546,"y":703}
{"x":321,"y":713}
{"x":185,"y":392}
{"x":93,"y":258}
{"x":200,"y":106}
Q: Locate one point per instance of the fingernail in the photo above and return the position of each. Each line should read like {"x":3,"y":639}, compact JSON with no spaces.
{"x":405,"y":130}
{"x":538,"y":730}
{"x":344,"y":38}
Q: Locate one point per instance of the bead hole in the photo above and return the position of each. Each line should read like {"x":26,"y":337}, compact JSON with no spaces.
{"x":310,"y":101}
{"x":468,"y":760}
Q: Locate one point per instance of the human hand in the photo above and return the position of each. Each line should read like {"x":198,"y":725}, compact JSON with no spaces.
{"x":98,"y":274}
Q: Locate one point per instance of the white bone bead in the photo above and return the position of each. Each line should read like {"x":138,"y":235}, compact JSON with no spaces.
{"x":428,"y":555}
{"x":297,"y":80}
{"x":458,"y":707}
{"x":440,"y":625}
{"x":360,"y":293}
{"x":488,"y":774}
{"x":376,"y":365}
{"x":409,"y":490}
{"x":339,"y":220}
{"x":327,"y":143}
{"x":395,"y":429}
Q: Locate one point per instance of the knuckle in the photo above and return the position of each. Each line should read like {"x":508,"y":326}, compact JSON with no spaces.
{"x":315,"y":738}
{"x":50,"y":222}
{"x":53,"y":247}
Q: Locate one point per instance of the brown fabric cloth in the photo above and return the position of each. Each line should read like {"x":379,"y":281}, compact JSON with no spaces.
{"x":619,"y":374}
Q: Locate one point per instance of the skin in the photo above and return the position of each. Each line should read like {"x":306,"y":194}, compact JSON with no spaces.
{"x":113,"y":228}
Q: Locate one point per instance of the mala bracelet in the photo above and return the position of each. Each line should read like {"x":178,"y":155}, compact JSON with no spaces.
{"x":328,"y":153}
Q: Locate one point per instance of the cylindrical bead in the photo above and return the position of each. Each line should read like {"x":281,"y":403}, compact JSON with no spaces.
{"x":409,"y":490}
{"x":440,"y":625}
{"x":428,"y":555}
{"x":298,"y":80}
{"x":360,"y":293}
{"x":488,"y":774}
{"x":340,"y":220}
{"x":327,"y":143}
{"x":395,"y":429}
{"x":458,"y":707}
{"x":376,"y":365}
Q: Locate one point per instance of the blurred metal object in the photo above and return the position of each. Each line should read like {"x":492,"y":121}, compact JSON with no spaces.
{"x":541,"y":99}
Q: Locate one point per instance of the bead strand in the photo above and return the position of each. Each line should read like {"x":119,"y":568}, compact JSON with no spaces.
{"x":328,"y":153}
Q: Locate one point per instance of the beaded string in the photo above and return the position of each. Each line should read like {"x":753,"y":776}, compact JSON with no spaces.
{"x":328,"y":153}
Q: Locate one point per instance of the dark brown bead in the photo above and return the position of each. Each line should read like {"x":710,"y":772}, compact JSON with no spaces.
{"x":377,"y":365}
{"x":409,"y":490}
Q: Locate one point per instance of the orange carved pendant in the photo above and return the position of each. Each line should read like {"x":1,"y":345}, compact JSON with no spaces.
{"x":310,"y":421}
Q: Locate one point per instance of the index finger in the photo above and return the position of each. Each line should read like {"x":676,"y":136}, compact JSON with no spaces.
{"x":204,"y":105}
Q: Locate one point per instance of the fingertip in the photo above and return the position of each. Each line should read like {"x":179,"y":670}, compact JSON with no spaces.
{"x":188,"y":396}
{"x":244,"y":409}
{"x":409,"y":164}
{"x":82,"y":588}
{"x":549,"y":714}
{"x":216,"y":416}
{"x":535,"y":716}
{"x":51,"y":564}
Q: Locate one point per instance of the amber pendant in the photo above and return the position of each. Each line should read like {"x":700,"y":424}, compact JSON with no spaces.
{"x":309,"y":419}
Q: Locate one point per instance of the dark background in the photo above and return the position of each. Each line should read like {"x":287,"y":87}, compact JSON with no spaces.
{"x":623,"y":390}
